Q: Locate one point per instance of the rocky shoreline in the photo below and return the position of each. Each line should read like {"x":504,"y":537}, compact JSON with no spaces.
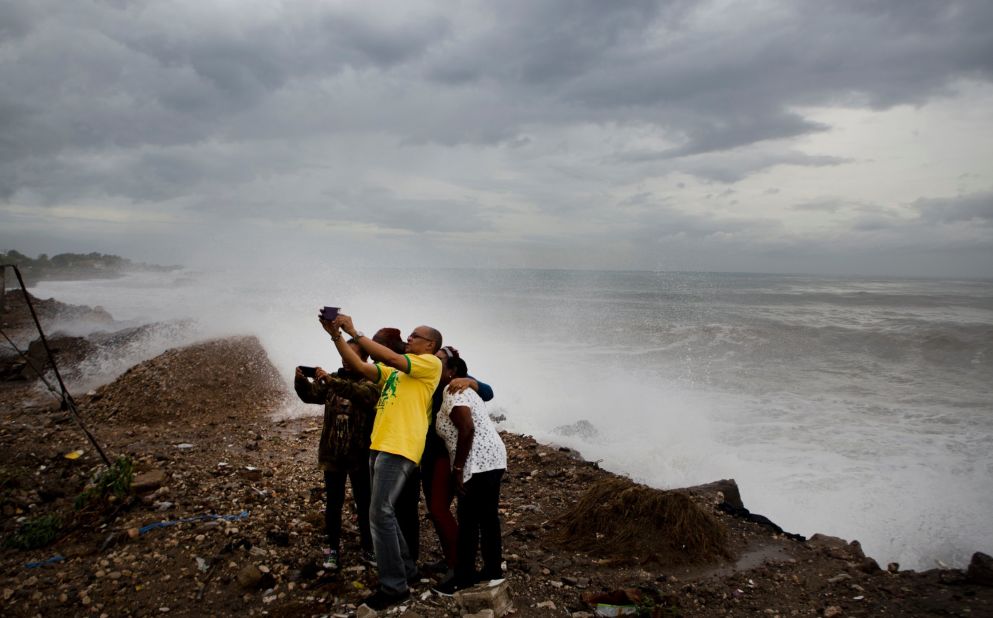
{"x":225,"y":515}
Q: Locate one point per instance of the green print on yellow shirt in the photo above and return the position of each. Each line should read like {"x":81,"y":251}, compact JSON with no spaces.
{"x":389,"y":390}
{"x":404,"y":407}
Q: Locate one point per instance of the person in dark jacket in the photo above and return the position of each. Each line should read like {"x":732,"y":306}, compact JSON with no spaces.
{"x":349,"y":411}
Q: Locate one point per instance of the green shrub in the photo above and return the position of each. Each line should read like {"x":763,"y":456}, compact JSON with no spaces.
{"x":35,"y":532}
{"x":110,"y":485}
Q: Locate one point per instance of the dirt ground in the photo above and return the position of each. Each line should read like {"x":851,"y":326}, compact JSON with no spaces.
{"x":201,"y":425}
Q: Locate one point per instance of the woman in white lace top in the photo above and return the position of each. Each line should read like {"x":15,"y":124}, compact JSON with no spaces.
{"x":479,"y":459}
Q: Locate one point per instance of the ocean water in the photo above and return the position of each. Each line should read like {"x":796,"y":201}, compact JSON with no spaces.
{"x":857,"y":407}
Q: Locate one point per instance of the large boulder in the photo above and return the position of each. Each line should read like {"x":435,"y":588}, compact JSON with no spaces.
{"x":836,"y":547}
{"x":725,"y":490}
{"x":980,"y":569}
{"x":68,"y":352}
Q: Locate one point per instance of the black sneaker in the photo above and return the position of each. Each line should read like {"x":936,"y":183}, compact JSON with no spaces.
{"x":381,"y":599}
{"x":450,"y":586}
{"x":440,"y":567}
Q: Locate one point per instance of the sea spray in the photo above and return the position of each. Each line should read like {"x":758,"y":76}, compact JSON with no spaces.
{"x":854,"y":407}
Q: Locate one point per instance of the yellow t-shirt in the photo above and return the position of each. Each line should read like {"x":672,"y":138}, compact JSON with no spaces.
{"x":403,"y":413}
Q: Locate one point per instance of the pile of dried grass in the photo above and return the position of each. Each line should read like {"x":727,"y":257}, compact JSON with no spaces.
{"x":619,"y":518}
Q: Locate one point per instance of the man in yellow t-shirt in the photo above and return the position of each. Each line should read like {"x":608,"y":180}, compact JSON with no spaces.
{"x":403,"y":414}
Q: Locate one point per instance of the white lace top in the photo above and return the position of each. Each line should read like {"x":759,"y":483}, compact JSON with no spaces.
{"x":487,"y":452}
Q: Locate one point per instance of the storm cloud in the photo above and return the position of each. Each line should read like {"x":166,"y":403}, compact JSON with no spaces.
{"x":564,"y":134}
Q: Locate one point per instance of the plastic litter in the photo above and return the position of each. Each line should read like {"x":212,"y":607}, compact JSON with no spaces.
{"x":603,"y":609}
{"x":622,"y":602}
{"x":53,"y":560}
{"x":74,"y":454}
{"x":185,"y":520}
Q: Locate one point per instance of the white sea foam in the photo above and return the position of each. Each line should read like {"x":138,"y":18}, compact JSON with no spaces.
{"x":850,"y":407}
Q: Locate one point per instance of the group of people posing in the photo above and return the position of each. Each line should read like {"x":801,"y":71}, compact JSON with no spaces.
{"x":411,"y":419}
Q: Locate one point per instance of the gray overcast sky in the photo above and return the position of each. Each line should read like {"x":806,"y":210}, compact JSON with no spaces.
{"x":841,"y":137}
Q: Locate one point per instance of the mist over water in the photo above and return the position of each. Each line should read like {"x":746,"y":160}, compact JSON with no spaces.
{"x":860,"y":408}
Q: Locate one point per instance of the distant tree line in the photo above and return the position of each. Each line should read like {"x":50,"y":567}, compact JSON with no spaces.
{"x":74,"y":265}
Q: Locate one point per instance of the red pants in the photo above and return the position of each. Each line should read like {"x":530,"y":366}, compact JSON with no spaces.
{"x":438,"y":494}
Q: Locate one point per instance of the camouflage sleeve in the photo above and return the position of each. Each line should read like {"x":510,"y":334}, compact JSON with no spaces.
{"x":363,"y":392}
{"x":310,"y":392}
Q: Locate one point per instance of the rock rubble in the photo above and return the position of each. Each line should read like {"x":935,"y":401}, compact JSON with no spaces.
{"x":230,"y":525}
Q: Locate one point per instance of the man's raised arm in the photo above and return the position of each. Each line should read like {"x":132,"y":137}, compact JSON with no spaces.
{"x":376,"y":351}
{"x":368,"y":370}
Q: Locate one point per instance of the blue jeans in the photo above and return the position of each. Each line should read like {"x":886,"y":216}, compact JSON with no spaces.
{"x":389,"y":474}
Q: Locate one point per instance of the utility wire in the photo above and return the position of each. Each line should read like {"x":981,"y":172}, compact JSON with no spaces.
{"x":67,"y":400}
